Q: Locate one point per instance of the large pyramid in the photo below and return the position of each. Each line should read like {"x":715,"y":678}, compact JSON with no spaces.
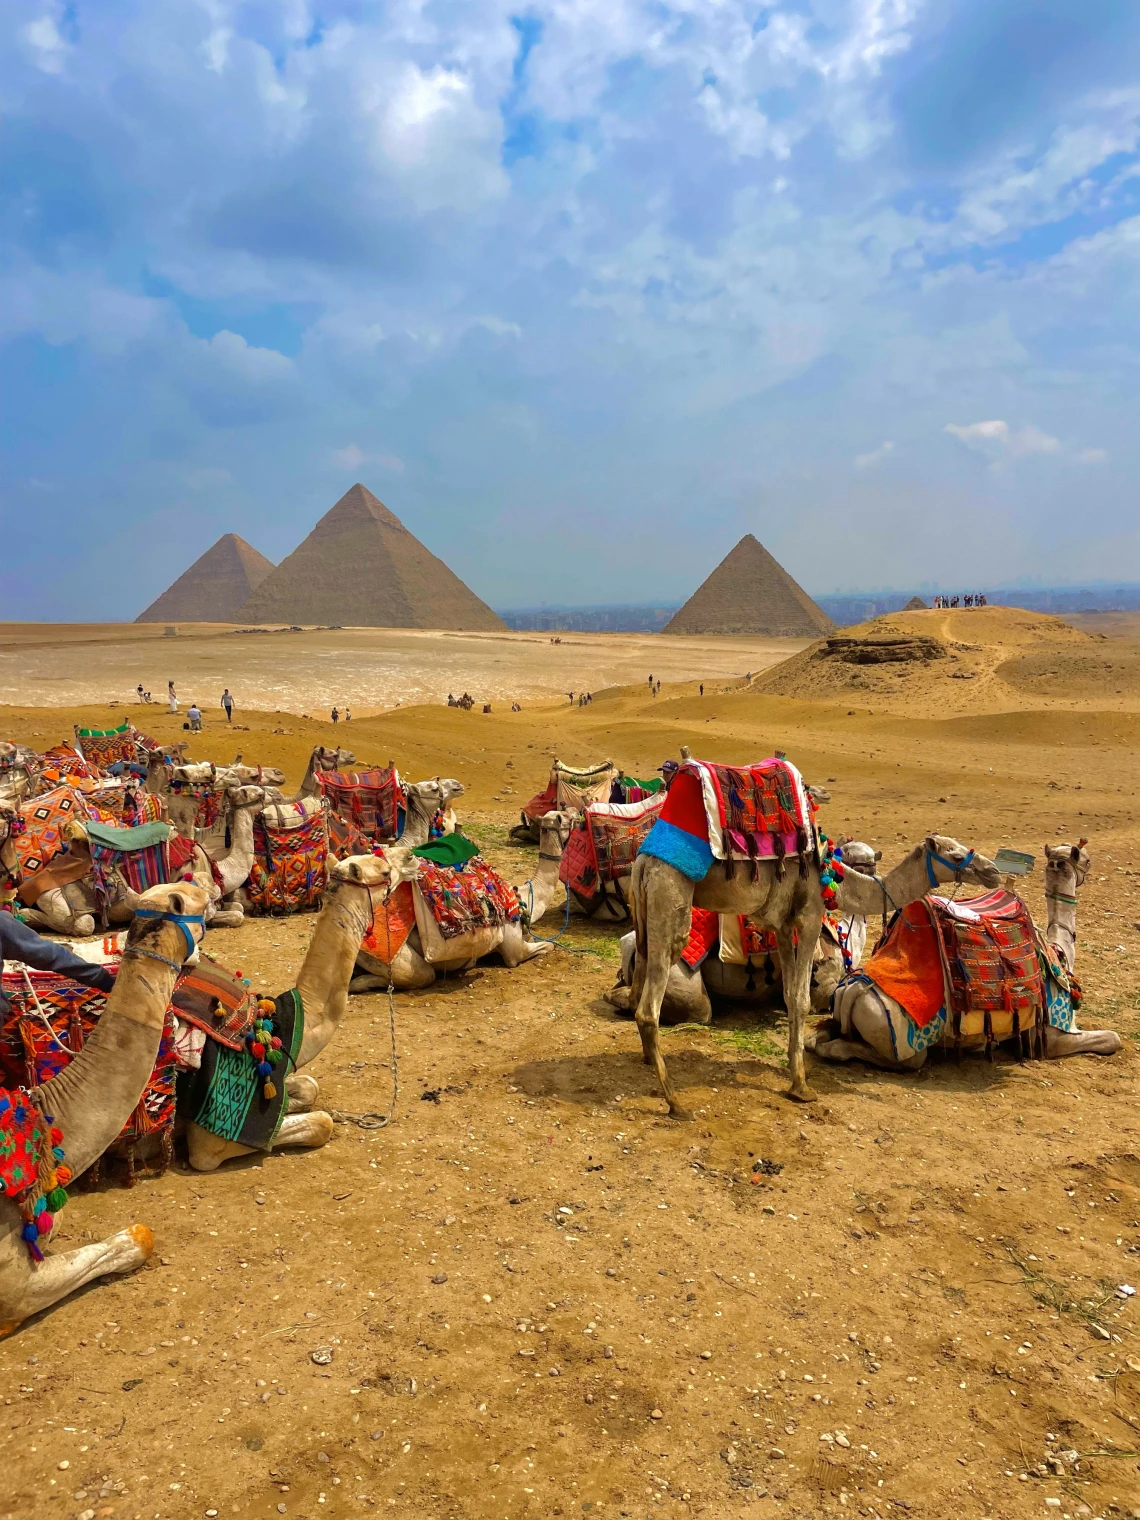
{"x":749,"y":592}
{"x":361,"y":567}
{"x":214,"y":587}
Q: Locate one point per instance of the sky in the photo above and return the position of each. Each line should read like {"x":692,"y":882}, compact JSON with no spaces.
{"x":583,"y":290}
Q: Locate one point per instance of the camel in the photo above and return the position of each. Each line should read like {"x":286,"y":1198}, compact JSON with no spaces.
{"x":410,"y":968}
{"x":323,"y":986}
{"x":73,"y":908}
{"x":94,"y":1096}
{"x":322,"y":759}
{"x":937,"y":860}
{"x":872,"y":1027}
{"x":423,"y":800}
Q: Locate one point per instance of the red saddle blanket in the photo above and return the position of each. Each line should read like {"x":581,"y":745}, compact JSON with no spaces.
{"x":369,"y":800}
{"x":972,"y":955}
{"x":604,"y":846}
{"x":746,"y":812}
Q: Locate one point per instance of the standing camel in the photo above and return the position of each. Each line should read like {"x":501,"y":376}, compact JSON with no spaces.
{"x":95,"y":1095}
{"x":938,"y":860}
{"x":871,"y":1026}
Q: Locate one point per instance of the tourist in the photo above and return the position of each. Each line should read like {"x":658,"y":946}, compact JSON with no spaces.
{"x":24,"y":944}
{"x":172,"y":696}
{"x":570,"y":694}
{"x":348,"y":714}
{"x":228,"y":704}
{"x":515,"y":707}
{"x":146,"y":696}
{"x":140,"y":692}
{"x":194,"y":713}
{"x":702,"y":688}
{"x":651,"y":680}
{"x":335,"y":715}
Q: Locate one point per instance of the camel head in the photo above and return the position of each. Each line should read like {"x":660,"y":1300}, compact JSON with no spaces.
{"x":197,"y":773}
{"x":433,"y":796}
{"x":245,"y":796}
{"x":256,"y":775}
{"x":1066,"y":866}
{"x":171,"y":902}
{"x":556,"y":823}
{"x":948,"y":861}
{"x":324,"y":759}
{"x":860,"y":857}
{"x":385,"y":871}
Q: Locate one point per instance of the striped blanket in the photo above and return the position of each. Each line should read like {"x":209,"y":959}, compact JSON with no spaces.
{"x":369,"y":800}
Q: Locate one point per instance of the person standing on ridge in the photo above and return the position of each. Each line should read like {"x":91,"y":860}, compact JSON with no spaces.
{"x":335,"y":715}
{"x":172,"y":696}
{"x":228,"y":704}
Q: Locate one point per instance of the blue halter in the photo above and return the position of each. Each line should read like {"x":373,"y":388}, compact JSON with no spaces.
{"x":955,"y":870}
{"x":181,"y":919}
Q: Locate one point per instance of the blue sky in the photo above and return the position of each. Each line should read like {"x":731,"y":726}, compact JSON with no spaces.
{"x":583,"y":290}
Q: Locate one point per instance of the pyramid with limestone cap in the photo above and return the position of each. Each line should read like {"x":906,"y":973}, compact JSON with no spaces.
{"x":750,"y":592}
{"x":361,"y":567}
{"x":214,"y":587}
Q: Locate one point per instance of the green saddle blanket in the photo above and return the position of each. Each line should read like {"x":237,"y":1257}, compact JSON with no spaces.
{"x":144,"y":837}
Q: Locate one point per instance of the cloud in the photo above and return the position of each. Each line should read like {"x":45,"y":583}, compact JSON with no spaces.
{"x":998,"y":440}
{"x":1093,"y":456}
{"x":351,"y":458}
{"x":47,"y":45}
{"x":876,"y":456}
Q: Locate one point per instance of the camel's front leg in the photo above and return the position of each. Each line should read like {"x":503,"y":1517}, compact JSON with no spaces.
{"x":663,"y":899}
{"x":302,"y":1092}
{"x":207,"y":1151}
{"x":516,"y":948}
{"x":797,"y":998}
{"x":1081,"y":1042}
{"x":26,"y":1288}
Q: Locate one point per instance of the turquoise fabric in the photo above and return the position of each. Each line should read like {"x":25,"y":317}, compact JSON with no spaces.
{"x":144,"y":837}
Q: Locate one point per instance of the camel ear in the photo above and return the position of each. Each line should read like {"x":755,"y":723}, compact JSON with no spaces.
{"x":1075,"y":853}
{"x":177,"y":903}
{"x":931,"y":842}
{"x":878,"y":854}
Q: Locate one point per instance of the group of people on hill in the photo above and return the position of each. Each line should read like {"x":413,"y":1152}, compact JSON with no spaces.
{"x":971,"y":599}
{"x":194,"y":712}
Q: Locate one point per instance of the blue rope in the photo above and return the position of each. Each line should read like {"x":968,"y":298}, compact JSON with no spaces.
{"x":569,"y":949}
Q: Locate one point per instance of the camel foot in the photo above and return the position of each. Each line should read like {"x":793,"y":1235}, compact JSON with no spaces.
{"x":308,"y":1130}
{"x":366,"y":982}
{"x":680,"y":1113}
{"x":621,"y":998}
{"x":302,"y":1092}
{"x":227,"y":918}
{"x":56,"y":1277}
{"x":800,"y":1092}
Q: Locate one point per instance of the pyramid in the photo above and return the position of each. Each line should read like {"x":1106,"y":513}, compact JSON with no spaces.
{"x":214,"y":587}
{"x":360,"y":567}
{"x":749,"y":592}
{"x":916,"y":604}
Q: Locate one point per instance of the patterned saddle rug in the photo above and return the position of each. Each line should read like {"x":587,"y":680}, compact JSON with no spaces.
{"x":291,"y":852}
{"x":228,"y":1094}
{"x":369,"y":800}
{"x":102,"y":747}
{"x":733,"y":813}
{"x":461,"y":910}
{"x":45,"y":820}
{"x":603,"y":847}
{"x":570,"y":788}
{"x":967,"y":969}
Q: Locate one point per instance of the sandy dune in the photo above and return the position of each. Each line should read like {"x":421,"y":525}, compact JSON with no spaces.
{"x":914,"y":1304}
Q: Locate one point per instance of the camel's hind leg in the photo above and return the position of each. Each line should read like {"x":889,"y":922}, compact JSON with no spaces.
{"x":663,"y":925}
{"x":1081,"y":1042}
{"x":302,"y":1092}
{"x":26,"y":1289}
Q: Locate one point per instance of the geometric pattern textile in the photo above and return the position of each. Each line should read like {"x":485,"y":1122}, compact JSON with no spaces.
{"x":227,"y":1096}
{"x":464,"y":900}
{"x":44,"y":821}
{"x":290,"y":868}
{"x":368,"y":799}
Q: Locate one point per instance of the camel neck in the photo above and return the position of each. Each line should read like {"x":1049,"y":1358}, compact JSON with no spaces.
{"x":1061,"y":925}
{"x":322,"y":983}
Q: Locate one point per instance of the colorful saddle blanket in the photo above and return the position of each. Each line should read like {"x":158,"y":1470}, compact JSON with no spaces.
{"x":104,"y":746}
{"x":722,"y":812}
{"x":630,"y":789}
{"x":369,"y":800}
{"x":975,"y":956}
{"x":603,"y":848}
{"x":393,"y":919}
{"x":45,"y":821}
{"x":291,"y":854}
{"x":570,"y":788}
{"x":141,"y":854}
{"x":227,"y":1095}
{"x":467,"y":899}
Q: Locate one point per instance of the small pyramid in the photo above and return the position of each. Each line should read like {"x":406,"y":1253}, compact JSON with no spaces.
{"x":360,"y":567}
{"x":214,"y":587}
{"x":749,"y":592}
{"x":916,"y":604}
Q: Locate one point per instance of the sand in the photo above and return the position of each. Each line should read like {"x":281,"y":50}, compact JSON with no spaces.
{"x":893,"y":1318}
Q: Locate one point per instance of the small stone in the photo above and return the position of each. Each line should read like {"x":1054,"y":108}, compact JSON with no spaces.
{"x":323,"y":1456}
{"x":376,"y":1435}
{"x":440,"y":1277}
{"x":210,"y":1512}
{"x":776,"y":1454}
{"x":1052,"y":1504}
{"x":655,"y":1414}
{"x":86,"y":1514}
{"x":322,"y":1356}
{"x":280,"y":1509}
{"x":611,"y":1271}
{"x":63,"y":1466}
{"x":282,"y":1390}
{"x":706,"y":1356}
{"x":486,"y":1298}
{"x":841,"y":1439}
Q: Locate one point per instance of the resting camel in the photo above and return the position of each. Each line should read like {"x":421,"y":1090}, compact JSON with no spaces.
{"x":323,"y":984}
{"x":95,"y":1095}
{"x":937,"y":860}
{"x":411,"y":969}
{"x":73,"y":908}
{"x":865,"y":1016}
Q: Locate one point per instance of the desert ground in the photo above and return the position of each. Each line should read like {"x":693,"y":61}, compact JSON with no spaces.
{"x":540,"y":1296}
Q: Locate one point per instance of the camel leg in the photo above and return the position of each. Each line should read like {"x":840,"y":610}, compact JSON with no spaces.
{"x":302,"y":1092}
{"x":869,"y":1019}
{"x":364,"y":981}
{"x":1082,"y":1042}
{"x":797,"y":999}
{"x":53,"y":911}
{"x":663,"y":900}
{"x":25,"y":1288}
{"x":227,"y":918}
{"x":207,"y":1151}
{"x":515,"y":948}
